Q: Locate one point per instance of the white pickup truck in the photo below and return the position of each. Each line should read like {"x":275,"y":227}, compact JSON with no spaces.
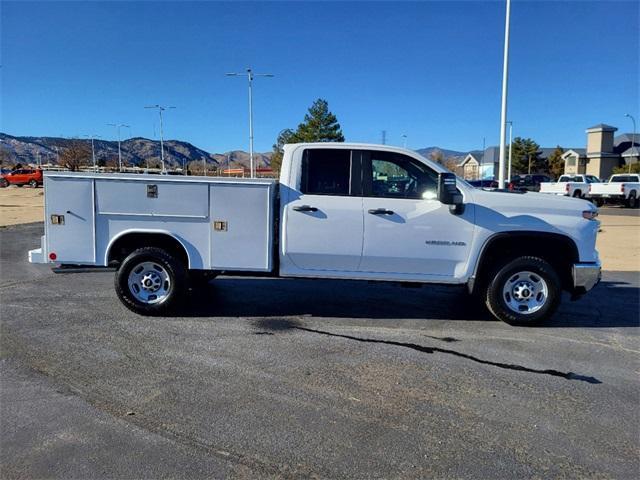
{"x":339,"y":211}
{"x":621,"y":188}
{"x":570,"y":185}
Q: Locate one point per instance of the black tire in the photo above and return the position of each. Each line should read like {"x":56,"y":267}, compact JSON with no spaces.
{"x":543,"y":273}
{"x":577,"y":194}
{"x":597,"y":202}
{"x":3,"y":183}
{"x":33,"y":184}
{"x":632,"y":201}
{"x":174,"y":270}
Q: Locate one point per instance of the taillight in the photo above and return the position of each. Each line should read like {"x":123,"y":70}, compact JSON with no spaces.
{"x":510,"y":187}
{"x":589,"y":188}
{"x":566,"y":187}
{"x":622,"y":187}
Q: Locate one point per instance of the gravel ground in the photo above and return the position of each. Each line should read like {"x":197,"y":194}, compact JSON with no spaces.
{"x":287,"y":378}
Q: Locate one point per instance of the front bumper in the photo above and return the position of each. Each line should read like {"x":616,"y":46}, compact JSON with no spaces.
{"x":586,"y":276}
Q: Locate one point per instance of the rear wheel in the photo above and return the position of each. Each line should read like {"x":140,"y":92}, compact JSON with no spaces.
{"x":525,"y":291}
{"x":632,"y":201}
{"x":577,"y":194}
{"x":150,"y":281}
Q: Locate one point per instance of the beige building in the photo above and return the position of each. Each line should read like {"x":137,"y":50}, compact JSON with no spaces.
{"x":604,"y":152}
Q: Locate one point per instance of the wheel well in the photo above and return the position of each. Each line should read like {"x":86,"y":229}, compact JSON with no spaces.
{"x":129,"y":242}
{"x":559,"y":250}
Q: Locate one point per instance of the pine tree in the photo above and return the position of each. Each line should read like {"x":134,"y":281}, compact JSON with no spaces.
{"x":525,"y":156}
{"x":285,"y":136}
{"x":556,"y":163}
{"x":320,"y":125}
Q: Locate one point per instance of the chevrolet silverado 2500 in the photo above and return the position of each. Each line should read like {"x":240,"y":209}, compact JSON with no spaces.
{"x":570,"y":185}
{"x":339,"y":211}
{"x":621,"y":188}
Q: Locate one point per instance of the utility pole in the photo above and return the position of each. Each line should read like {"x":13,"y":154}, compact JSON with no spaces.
{"x":404,"y":140}
{"x":93,"y":150}
{"x":503,"y":109}
{"x":484,"y":147}
{"x":160,"y":110}
{"x":384,"y":137}
{"x":510,"y":149}
{"x":118,"y":126}
{"x":250,"y":76}
{"x":633,"y":139}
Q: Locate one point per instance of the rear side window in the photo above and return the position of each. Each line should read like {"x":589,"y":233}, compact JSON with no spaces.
{"x":326,"y":172}
{"x":622,"y":178}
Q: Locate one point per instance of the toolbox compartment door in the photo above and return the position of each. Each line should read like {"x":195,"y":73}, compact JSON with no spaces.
{"x":70,"y":203}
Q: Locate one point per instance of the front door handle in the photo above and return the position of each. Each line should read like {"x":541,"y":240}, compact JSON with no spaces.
{"x":305,"y":208}
{"x":380,"y":211}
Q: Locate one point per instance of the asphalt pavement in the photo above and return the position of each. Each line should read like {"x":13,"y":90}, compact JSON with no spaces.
{"x":303,"y":378}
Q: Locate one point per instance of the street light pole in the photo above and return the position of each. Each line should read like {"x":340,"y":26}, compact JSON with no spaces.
{"x":404,"y":140}
{"x":633,"y":139}
{"x":119,"y":150}
{"x":503,"y":110}
{"x":160,"y":110}
{"x":93,"y":150}
{"x":510,"y":148}
{"x":250,"y":76}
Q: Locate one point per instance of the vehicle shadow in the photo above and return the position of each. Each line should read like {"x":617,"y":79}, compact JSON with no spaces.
{"x":610,"y":304}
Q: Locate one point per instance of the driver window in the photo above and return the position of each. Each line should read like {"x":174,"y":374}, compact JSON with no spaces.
{"x":399,"y":176}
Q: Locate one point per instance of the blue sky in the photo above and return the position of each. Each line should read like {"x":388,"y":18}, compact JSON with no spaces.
{"x":430,"y":70}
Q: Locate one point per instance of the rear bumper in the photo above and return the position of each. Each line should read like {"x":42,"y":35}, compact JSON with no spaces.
{"x":607,"y":196}
{"x":586,"y":276}
{"x":38,"y":255}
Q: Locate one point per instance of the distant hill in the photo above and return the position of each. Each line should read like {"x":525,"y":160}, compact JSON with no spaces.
{"x":135,"y":151}
{"x":427,"y":151}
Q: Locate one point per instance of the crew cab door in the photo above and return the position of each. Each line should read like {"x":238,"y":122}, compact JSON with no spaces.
{"x":322,"y":213}
{"x":408,"y":233}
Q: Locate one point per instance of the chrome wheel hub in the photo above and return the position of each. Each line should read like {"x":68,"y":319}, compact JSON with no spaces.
{"x":525,"y":292}
{"x":149,"y":282}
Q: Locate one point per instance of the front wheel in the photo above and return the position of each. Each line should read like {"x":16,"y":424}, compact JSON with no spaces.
{"x":33,"y":184}
{"x":150,"y":281}
{"x":4,"y":183}
{"x":525,"y":291}
{"x":632,"y":201}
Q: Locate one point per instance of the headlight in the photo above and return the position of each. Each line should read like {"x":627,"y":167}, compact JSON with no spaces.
{"x":590,"y":214}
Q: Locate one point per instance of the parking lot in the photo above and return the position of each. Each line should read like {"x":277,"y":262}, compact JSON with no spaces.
{"x":290,"y":378}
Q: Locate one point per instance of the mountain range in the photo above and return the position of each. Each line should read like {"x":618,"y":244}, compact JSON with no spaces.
{"x":138,"y":151}
{"x":134,"y":151}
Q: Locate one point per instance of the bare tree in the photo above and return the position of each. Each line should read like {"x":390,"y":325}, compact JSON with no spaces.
{"x":76,"y":155}
{"x":5,"y":156}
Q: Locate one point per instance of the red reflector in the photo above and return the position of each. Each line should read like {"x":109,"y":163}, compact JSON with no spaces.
{"x":52,"y":256}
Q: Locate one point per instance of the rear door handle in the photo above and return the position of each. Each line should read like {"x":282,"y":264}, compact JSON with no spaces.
{"x":305,"y":208}
{"x":380,"y":211}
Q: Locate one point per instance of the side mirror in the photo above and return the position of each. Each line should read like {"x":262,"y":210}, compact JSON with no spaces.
{"x":448,"y":193}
